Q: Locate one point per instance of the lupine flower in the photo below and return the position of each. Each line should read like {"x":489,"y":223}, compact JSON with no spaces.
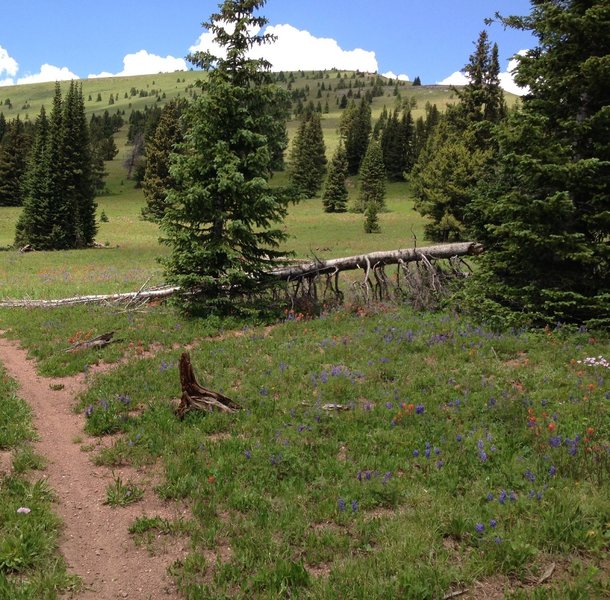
{"x":552,"y":470}
{"x":420,"y":409}
{"x":354,"y":505}
{"x":493,"y":523}
{"x":529,"y":476}
{"x":479,"y":527}
{"x":247,"y":454}
{"x":89,"y":410}
{"x":415,"y":453}
{"x":341,"y":504}
{"x":489,"y":497}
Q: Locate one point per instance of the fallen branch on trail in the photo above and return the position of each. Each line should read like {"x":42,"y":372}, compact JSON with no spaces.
{"x":97,"y":342}
{"x":196,"y":397}
{"x":377,"y":259}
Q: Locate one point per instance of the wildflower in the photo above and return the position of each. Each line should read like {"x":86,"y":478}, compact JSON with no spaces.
{"x":387,"y":477}
{"x":247,"y":454}
{"x":552,"y":426}
{"x":420,"y":409}
{"x":24,"y":510}
{"x":529,"y":476}
{"x":489,"y":497}
{"x":483,"y":455}
{"x":502,"y":497}
{"x":555,"y":441}
{"x":89,"y":410}
{"x":493,"y":523}
{"x":440,"y":464}
{"x":437,"y":451}
{"x":479,"y":527}
{"x":323,"y":377}
{"x":427,"y":453}
{"x":458,"y":437}
{"x":552,"y":470}
{"x":341,"y":504}
{"x":498,"y":540}
{"x":354,"y":505}
{"x":389,"y":405}
{"x":415,"y":453}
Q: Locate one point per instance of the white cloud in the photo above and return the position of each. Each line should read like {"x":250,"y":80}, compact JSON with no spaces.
{"x":144,"y":63}
{"x":8,"y":64}
{"x":391,"y":75}
{"x":456,"y":78}
{"x":47,"y":73}
{"x":296,"y":49}
{"x":507,"y":82}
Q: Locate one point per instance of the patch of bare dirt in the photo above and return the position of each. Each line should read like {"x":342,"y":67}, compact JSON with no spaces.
{"x":95,"y":539}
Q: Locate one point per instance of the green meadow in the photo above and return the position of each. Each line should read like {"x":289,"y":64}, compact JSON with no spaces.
{"x":380,"y":452}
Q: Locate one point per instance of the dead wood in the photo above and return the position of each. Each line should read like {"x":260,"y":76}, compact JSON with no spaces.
{"x":377,"y":259}
{"x":97,"y":342}
{"x":195,"y":396}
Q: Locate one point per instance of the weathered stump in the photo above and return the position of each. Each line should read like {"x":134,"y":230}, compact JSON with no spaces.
{"x":195,"y":396}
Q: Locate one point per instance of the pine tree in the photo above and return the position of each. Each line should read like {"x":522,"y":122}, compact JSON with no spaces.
{"x":13,"y":154}
{"x":460,"y":148}
{"x":372,"y":179}
{"x":78,"y":188}
{"x":59,"y":208}
{"x":222,"y":221}
{"x":334,"y":198}
{"x":355,"y":128}
{"x":157,"y":178}
{"x":543,"y":211}
{"x":308,"y":156}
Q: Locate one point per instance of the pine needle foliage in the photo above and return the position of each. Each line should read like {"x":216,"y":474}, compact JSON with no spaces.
{"x":223,"y":221}
{"x":543,"y":212}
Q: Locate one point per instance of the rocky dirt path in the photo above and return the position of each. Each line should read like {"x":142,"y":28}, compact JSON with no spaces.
{"x":95,"y":539}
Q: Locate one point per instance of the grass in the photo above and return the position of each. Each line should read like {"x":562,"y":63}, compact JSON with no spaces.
{"x":30,"y":564}
{"x":120,"y":493}
{"x":464,"y":453}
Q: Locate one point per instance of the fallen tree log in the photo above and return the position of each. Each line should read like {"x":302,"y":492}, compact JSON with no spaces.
{"x":195,"y":396}
{"x":303,"y":270}
{"x":129,"y":297}
{"x":373,"y":259}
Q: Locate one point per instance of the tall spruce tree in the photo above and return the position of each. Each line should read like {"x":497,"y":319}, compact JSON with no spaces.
{"x":459,"y":149}
{"x":543,"y":212}
{"x":223,"y":220}
{"x":59,"y":207}
{"x":157,"y":180}
{"x":355,"y":128}
{"x":308,"y":156}
{"x":372,"y":180}
{"x":78,"y":185}
{"x":13,"y":154}
{"x":334,"y":198}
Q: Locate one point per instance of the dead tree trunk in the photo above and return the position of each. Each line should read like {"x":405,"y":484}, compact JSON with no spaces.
{"x":377,"y":259}
{"x":196,"y":397}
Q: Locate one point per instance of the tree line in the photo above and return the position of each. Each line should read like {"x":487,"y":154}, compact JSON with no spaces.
{"x":530,"y":183}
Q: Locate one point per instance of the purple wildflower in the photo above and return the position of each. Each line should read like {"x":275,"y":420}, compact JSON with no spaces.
{"x":479,"y":527}
{"x":354,"y":505}
{"x":89,"y":410}
{"x":493,"y":523}
{"x":529,"y":476}
{"x":552,"y":470}
{"x":341,"y":504}
{"x":415,"y":453}
{"x":420,"y":409}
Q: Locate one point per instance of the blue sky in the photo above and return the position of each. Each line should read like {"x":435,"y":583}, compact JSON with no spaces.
{"x":57,"y":39}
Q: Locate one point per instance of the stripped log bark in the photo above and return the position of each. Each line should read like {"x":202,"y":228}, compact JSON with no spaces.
{"x":195,"y":396}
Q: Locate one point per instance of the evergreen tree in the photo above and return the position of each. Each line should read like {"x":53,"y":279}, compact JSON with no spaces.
{"x":78,"y":188}
{"x":157,"y":178}
{"x":458,"y":150}
{"x":222,"y":220}
{"x":417,"y":81}
{"x":396,"y":144}
{"x":543,"y":211}
{"x":59,"y":209}
{"x":308,"y":156}
{"x":334,"y":198}
{"x":372,"y":179}
{"x":355,"y":130}
{"x":13,"y":154}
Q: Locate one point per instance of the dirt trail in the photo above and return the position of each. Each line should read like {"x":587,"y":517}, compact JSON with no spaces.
{"x":95,"y":539}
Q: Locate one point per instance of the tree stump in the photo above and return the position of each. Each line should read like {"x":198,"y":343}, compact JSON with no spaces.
{"x":196,"y":397}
